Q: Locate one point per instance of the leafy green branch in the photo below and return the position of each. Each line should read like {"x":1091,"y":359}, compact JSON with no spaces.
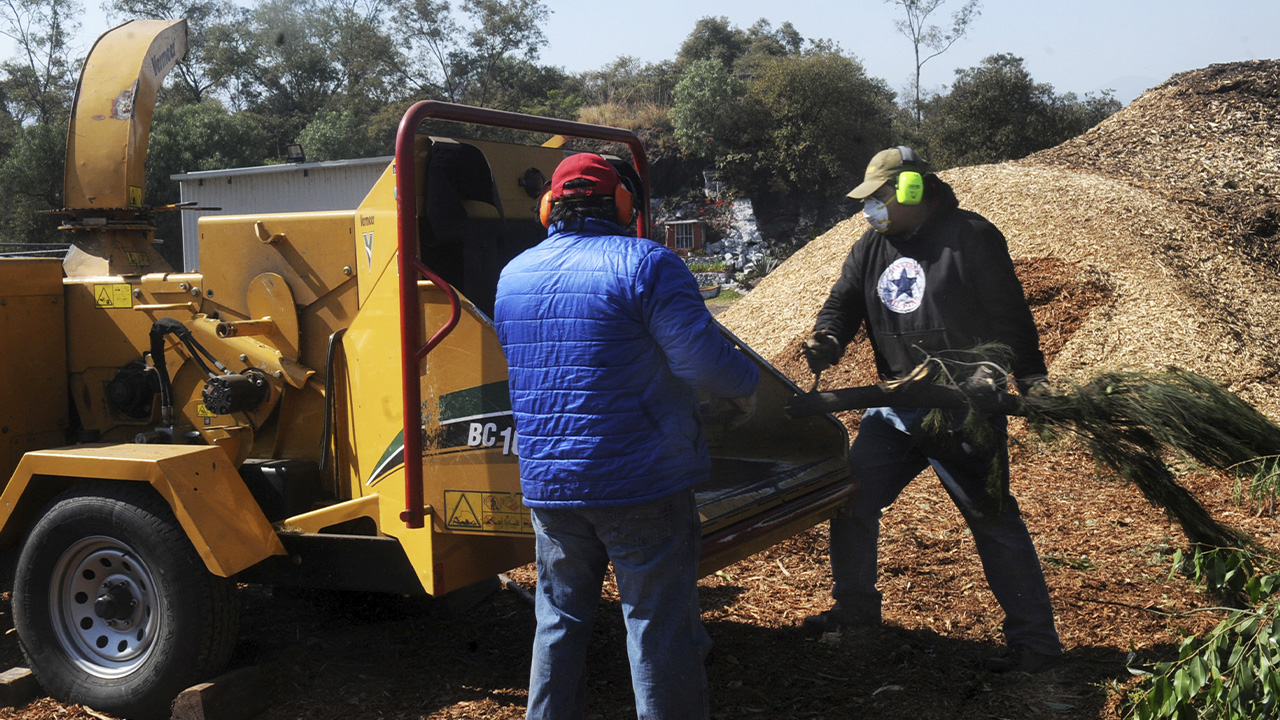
{"x":1230,"y":672}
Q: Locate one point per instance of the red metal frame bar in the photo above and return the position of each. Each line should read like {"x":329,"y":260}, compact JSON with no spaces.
{"x":412,"y":350}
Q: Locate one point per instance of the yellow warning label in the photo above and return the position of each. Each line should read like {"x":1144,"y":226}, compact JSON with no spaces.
{"x":135,"y":196}
{"x":203,"y":411}
{"x":114,"y":295}
{"x":138,"y":259}
{"x":486,"y":512}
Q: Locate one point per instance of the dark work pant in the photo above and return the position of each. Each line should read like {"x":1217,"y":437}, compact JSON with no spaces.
{"x":885,"y":459}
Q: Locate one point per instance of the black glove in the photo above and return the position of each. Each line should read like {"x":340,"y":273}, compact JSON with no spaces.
{"x":983,"y":380}
{"x":1034,"y":386}
{"x":821,"y":350}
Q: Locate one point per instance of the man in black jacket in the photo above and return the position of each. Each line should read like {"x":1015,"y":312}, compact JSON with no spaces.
{"x":929,"y":279}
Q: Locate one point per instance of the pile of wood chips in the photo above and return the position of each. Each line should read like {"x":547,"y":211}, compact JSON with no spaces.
{"x":1171,"y":204}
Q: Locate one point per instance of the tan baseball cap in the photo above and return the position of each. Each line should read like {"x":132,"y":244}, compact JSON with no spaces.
{"x":885,"y":166}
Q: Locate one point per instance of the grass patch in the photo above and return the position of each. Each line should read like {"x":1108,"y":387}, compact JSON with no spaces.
{"x":705,"y":266}
{"x":726,"y":297}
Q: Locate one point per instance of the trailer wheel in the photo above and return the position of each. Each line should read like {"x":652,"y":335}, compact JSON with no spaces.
{"x":113,"y":606}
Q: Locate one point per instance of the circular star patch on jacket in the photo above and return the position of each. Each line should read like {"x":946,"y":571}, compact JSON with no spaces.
{"x":901,"y":285}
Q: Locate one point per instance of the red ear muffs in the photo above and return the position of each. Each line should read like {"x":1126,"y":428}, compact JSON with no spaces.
{"x":622,"y":199}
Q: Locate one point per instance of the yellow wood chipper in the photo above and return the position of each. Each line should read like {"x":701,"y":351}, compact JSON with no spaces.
{"x":323,"y":404}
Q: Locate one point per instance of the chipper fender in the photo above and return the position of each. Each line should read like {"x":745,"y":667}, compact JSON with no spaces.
{"x":199,"y":483}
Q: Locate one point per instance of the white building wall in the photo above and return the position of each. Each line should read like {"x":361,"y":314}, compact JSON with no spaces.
{"x":299,"y":187}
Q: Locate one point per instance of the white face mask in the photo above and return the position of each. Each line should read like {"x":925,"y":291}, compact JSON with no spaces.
{"x":877,"y":215}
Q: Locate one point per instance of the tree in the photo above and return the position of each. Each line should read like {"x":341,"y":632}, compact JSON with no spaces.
{"x":276,"y":63}
{"x":801,"y":125}
{"x":37,"y":87}
{"x":821,"y":118}
{"x":777,"y":115}
{"x":39,"y":83}
{"x":362,"y":50}
{"x":191,"y":137}
{"x":712,"y":38}
{"x":708,"y":114}
{"x":628,"y":93}
{"x":205,"y":136}
{"x":764,"y":40}
{"x":996,"y":112}
{"x":31,"y":182}
{"x":504,"y":30}
{"x":464,"y":61}
{"x":715,"y":39}
{"x":430,"y":34}
{"x":341,"y":135}
{"x":288,"y":60}
{"x":521,"y":85}
{"x":627,"y":81}
{"x":931,"y":37}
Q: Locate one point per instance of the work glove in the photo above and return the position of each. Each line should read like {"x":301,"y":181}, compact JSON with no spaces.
{"x":983,"y":380}
{"x":1034,"y":386}
{"x":821,"y":351}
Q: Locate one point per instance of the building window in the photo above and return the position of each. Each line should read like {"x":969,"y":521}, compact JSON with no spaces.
{"x":684,"y":236}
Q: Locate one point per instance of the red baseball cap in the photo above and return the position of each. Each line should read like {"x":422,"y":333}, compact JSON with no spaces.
{"x":584,"y":166}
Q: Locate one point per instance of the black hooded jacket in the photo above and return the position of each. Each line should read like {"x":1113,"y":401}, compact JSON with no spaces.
{"x":949,"y":285}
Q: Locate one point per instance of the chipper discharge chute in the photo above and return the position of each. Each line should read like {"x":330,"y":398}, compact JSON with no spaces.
{"x":324,"y":403}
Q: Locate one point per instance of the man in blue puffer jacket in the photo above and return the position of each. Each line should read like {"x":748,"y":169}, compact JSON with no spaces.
{"x":607,"y":342}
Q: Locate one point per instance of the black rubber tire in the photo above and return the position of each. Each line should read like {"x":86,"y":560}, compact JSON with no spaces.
{"x":180,"y":630}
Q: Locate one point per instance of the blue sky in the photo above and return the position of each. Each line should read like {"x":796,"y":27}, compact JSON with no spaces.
{"x":1080,"y":46}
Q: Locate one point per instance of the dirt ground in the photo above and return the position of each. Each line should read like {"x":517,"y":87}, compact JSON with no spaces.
{"x":1105,"y":551}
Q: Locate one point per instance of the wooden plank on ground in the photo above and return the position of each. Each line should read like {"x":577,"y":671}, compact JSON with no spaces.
{"x":18,"y":686}
{"x":237,"y":695}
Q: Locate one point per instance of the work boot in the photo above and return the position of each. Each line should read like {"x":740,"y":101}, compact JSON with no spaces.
{"x":1021,"y":659}
{"x":834,"y":620}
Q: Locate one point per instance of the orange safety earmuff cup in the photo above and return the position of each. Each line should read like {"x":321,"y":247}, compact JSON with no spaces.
{"x":544,"y":208}
{"x":622,"y":200}
{"x":625,"y":203}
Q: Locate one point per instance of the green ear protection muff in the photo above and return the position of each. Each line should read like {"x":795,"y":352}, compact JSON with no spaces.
{"x":910,"y":187}
{"x":910,"y":184}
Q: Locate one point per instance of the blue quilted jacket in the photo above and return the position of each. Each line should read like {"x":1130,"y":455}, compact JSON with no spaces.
{"x":607,"y":339}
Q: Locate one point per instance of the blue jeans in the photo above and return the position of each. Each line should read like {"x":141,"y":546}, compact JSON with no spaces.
{"x":654,"y":548}
{"x":884,"y":458}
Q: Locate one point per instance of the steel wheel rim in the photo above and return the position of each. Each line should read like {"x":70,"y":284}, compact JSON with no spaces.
{"x":106,"y":647}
